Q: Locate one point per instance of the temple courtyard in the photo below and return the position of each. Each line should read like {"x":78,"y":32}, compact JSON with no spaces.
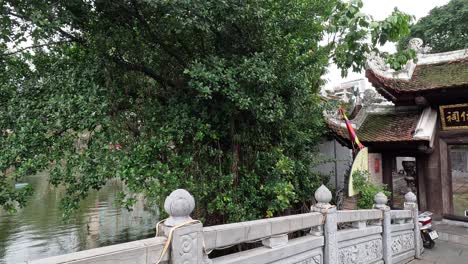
{"x":450,"y":248}
{"x":444,"y":253}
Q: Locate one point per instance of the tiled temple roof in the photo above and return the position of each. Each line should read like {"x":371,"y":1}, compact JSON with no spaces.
{"x":382,"y":127}
{"x":449,"y":74}
{"x":429,"y":76}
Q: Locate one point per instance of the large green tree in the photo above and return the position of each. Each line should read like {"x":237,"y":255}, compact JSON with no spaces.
{"x":218,"y":97}
{"x":444,"y":29}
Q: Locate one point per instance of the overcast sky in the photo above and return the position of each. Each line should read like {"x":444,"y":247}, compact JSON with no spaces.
{"x":379,"y":10}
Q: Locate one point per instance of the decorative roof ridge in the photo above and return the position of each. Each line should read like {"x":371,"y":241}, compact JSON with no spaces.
{"x":336,"y":121}
{"x":443,"y":57}
{"x":377,"y":64}
{"x":407,"y":108}
{"x":361,"y":116}
{"x":381,"y":109}
{"x":386,"y":124}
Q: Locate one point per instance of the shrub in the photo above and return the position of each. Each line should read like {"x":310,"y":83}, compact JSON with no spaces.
{"x":366,"y":189}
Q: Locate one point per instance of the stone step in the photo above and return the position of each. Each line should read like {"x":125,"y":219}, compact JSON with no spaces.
{"x":452,"y":232}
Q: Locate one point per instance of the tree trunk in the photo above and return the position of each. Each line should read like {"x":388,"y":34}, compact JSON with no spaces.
{"x":235,"y":153}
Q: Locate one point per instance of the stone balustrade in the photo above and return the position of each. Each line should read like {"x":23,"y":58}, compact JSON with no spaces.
{"x":267,"y":230}
{"x":325,"y":235}
{"x":144,"y":251}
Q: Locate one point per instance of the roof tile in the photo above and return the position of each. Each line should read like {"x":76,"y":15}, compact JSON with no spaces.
{"x":388,"y":127}
{"x":430,"y":76}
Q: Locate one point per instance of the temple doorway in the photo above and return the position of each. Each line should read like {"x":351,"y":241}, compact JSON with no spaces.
{"x":403,"y":179}
{"x":459,"y":164}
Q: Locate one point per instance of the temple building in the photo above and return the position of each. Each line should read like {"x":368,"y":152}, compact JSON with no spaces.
{"x":347,"y":90}
{"x":420,"y":142}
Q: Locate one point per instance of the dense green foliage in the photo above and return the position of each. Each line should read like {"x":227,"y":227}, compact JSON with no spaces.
{"x":366,"y":189}
{"x":444,"y":29}
{"x":218,"y":97}
{"x":398,"y":60}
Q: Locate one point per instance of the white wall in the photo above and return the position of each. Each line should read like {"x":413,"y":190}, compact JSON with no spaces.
{"x":375,"y":167}
{"x":333,"y":156}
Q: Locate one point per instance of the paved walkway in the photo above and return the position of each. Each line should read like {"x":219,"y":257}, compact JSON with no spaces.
{"x":452,"y":233}
{"x":444,"y":253}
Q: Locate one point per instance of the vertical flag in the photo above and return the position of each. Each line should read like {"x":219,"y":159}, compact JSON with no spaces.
{"x":352,"y":134}
{"x":361,"y":161}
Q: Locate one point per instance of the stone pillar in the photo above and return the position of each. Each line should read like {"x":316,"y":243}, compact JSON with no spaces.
{"x":411,"y":204}
{"x":323,"y":197}
{"x":381,"y":200}
{"x":186,"y":234}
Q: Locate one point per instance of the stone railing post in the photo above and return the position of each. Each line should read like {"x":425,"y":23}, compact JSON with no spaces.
{"x":411,"y":204}
{"x":187,"y":234}
{"x":323,"y":197}
{"x":381,"y":200}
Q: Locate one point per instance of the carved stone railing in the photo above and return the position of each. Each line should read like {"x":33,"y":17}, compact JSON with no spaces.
{"x":137,"y":252}
{"x":402,"y":235}
{"x":363,"y":241}
{"x":273,"y":234}
{"x":327,"y":235}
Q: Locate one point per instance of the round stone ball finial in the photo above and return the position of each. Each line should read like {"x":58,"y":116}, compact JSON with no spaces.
{"x":179,"y":205}
{"x":380,"y":200}
{"x":410,"y":197}
{"x":323,"y":195}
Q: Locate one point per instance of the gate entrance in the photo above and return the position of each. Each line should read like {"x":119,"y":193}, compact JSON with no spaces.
{"x":459,"y":164}
{"x":403,"y":179}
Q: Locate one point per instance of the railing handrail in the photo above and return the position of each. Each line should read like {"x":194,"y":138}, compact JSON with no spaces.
{"x":346,"y":216}
{"x":231,"y":234}
{"x":129,"y":251}
{"x":375,"y":235}
{"x":401,"y":214}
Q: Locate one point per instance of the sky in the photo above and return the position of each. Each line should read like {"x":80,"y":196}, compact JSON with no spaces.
{"x":379,"y":10}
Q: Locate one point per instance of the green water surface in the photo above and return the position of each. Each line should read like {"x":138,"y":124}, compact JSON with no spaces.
{"x":39,"y":231}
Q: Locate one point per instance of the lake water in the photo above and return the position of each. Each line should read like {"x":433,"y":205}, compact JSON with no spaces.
{"x":38,"y":230}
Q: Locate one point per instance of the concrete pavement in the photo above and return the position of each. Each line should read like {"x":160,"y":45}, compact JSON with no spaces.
{"x":453,"y":231}
{"x":444,"y":253}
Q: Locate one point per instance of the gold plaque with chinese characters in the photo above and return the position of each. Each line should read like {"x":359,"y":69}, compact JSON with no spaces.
{"x":454,"y":116}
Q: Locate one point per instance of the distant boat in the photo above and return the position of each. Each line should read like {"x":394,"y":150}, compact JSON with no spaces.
{"x":21,"y":185}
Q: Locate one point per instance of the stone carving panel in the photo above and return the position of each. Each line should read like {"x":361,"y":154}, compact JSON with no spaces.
{"x":362,"y":253}
{"x":187,"y":248}
{"x":402,"y":243}
{"x":316,"y":259}
{"x":313,"y":260}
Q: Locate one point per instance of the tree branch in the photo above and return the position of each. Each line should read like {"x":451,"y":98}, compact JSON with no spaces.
{"x":61,"y":31}
{"x":136,"y":13}
{"x":16,"y":15}
{"x":33,"y":47}
{"x":143,"y":69}
{"x":71,"y":37}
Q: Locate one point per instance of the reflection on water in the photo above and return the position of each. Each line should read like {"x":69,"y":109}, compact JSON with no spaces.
{"x":38,"y":231}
